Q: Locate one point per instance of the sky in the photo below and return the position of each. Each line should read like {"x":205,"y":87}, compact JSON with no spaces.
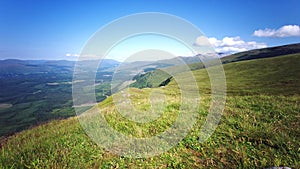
{"x":57,"y":29}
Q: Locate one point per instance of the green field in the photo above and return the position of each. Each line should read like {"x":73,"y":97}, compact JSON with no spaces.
{"x":259,"y":127}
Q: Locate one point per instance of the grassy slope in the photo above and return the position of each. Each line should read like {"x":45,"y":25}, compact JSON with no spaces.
{"x":151,"y":79}
{"x":156,"y":77}
{"x":260,"y":126}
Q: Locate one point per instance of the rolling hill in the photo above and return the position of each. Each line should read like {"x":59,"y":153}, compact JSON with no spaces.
{"x":263,"y":53}
{"x":259,"y":126}
{"x":157,"y":77}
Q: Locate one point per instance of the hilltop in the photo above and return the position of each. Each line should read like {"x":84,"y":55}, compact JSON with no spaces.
{"x":263,"y":53}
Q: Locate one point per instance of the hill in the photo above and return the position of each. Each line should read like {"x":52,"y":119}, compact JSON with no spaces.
{"x":263,"y":53}
{"x":155,"y":78}
{"x":259,"y":127}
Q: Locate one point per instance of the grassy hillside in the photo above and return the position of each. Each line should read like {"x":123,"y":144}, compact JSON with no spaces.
{"x":259,"y":127}
{"x":151,"y":79}
{"x":156,"y":77}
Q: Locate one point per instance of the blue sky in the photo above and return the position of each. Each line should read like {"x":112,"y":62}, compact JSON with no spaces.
{"x":34,"y":29}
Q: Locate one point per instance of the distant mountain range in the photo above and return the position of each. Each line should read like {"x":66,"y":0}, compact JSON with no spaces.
{"x":15,"y":66}
{"x":263,"y":53}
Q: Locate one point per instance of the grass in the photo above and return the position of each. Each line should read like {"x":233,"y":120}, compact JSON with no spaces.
{"x":259,"y":127}
{"x":155,"y":78}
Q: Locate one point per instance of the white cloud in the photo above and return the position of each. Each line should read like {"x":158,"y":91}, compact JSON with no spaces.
{"x":202,"y":41}
{"x":284,"y":31}
{"x":72,"y":55}
{"x":231,"y":45}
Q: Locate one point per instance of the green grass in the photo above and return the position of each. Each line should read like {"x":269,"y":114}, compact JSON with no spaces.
{"x":259,"y":127}
{"x":154,"y":78}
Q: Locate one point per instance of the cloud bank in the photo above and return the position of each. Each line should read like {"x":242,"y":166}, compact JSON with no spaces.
{"x":229,"y":45}
{"x":284,"y":31}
